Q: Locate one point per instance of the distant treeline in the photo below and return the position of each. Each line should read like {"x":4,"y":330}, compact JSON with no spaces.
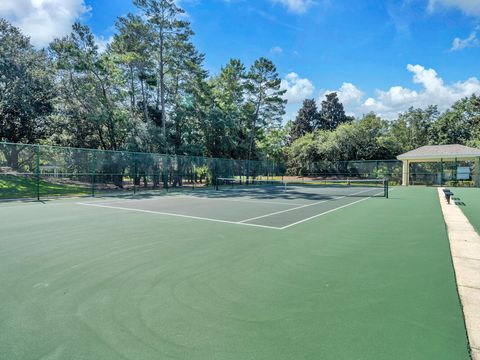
{"x":148,"y":91}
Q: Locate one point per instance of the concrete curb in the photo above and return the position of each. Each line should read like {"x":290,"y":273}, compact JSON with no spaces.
{"x":465,"y":249}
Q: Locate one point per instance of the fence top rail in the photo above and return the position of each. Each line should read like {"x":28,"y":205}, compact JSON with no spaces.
{"x":269,"y":162}
{"x":393,"y":161}
{"x":170,"y":157}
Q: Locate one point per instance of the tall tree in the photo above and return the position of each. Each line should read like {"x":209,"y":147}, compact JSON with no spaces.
{"x":26,"y":88}
{"x":225,"y":133}
{"x":26,"y":91}
{"x":185,"y":82}
{"x":91,"y":91}
{"x":332,"y":113}
{"x":307,"y":118}
{"x":413,"y":128}
{"x":265,"y":105}
{"x":131,"y":48}
{"x":459,"y":124}
{"x":163,"y":17}
{"x":273,"y":143}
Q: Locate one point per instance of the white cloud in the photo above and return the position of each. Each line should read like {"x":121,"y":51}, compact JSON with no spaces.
{"x":434,"y":92}
{"x":43,"y":20}
{"x":298,"y":89}
{"x":295,"y":6}
{"x":389,"y":103}
{"x":103,"y":43}
{"x":349,"y":95}
{"x":276,"y":50}
{"x":471,"y":41}
{"x":469,"y":7}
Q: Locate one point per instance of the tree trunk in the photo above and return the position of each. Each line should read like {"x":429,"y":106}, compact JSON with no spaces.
{"x":12,"y":158}
{"x":162,"y":86}
{"x":132,"y":92}
{"x":144,"y":100}
{"x":252,"y":137}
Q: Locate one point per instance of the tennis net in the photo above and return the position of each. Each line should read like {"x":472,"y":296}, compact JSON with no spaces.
{"x":333,"y":187}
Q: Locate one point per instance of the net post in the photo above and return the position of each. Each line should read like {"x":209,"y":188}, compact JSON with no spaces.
{"x":38,"y":172}
{"x":385,"y":185}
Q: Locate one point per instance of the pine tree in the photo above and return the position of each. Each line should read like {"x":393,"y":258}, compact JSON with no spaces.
{"x":167,"y":29}
{"x":332,"y":113}
{"x":306,"y":119}
{"x":265,"y":106}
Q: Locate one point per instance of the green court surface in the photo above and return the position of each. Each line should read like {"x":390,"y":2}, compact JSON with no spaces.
{"x":469,"y":202}
{"x":208,"y":276}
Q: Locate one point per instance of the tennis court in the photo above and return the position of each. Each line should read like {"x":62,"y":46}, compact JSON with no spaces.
{"x":340,"y":272}
{"x":271,"y":204}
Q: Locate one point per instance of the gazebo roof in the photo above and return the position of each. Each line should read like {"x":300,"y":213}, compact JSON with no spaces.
{"x":440,"y":152}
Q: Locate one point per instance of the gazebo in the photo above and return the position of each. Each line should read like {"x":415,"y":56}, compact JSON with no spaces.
{"x":463,"y":163}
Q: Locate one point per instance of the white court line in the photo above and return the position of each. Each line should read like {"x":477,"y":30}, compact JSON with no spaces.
{"x":283,"y":211}
{"x":238,"y":200}
{"x":303,"y":206}
{"x":323,"y":213}
{"x":173,"y":196}
{"x":327,"y":212}
{"x":179,"y":215}
{"x":239,"y":222}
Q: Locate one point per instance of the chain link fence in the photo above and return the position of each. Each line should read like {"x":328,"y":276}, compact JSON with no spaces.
{"x":40,"y":171}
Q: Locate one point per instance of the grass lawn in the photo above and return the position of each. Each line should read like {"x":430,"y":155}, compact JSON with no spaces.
{"x":371,"y":281}
{"x":16,"y":186}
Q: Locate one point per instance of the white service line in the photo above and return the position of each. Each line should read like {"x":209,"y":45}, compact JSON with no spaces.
{"x":239,"y":200}
{"x":324,"y":213}
{"x":303,"y":206}
{"x":173,"y":196}
{"x":283,"y":211}
{"x":179,"y":215}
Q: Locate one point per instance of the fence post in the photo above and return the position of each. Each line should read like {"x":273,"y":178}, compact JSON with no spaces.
{"x":93,"y":173}
{"x":135,"y":171}
{"x":194,"y":176}
{"x":38,"y":172}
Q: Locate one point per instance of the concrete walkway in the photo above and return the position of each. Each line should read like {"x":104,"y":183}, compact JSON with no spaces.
{"x":465,"y":248}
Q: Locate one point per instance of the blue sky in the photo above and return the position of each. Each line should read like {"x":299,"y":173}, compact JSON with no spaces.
{"x":380,"y":55}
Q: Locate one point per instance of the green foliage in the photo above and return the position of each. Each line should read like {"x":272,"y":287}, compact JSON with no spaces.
{"x":332,"y":113}
{"x":26,"y":88}
{"x":91,"y":90}
{"x":415,"y":128}
{"x":306,"y":121}
{"x":149,"y":92}
{"x":273,"y":144}
{"x":460,"y":124}
{"x":264,"y":105}
{"x":364,"y":139}
{"x":202,"y":173}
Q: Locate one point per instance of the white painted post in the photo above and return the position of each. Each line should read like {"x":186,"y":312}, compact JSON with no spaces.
{"x":476,"y":174}
{"x":405,"y":173}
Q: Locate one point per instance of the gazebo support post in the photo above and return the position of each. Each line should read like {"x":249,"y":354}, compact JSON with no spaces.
{"x":476,"y":175}
{"x":441,"y":172}
{"x":405,"y":173}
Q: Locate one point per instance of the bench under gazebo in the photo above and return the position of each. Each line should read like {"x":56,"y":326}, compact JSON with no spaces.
{"x":441,"y":165}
